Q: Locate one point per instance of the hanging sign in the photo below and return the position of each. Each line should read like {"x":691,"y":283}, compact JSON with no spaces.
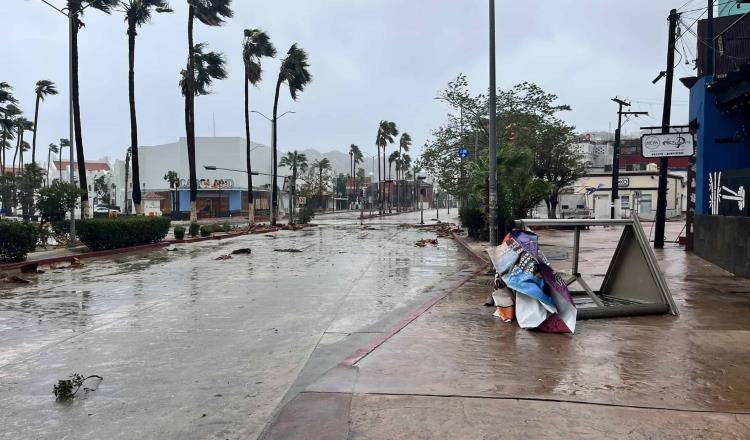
{"x":678,"y":143}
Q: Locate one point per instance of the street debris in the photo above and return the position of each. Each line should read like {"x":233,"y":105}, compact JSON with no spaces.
{"x":425,"y":241}
{"x":31,"y":268}
{"x":287,"y":250}
{"x":64,"y":389}
{"x":242,"y":251}
{"x":224,"y":257}
{"x":12,"y":279}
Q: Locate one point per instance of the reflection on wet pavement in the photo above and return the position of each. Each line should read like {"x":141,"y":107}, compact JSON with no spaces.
{"x":191,"y":347}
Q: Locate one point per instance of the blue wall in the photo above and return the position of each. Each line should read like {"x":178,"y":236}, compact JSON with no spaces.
{"x":184,"y":200}
{"x":710,"y":156}
{"x":235,"y":200}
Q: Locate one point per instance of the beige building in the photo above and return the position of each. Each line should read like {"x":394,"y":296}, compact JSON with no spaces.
{"x":591,"y":195}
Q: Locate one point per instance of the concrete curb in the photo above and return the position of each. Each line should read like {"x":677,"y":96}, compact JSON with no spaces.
{"x":480,"y":258}
{"x":84,"y":255}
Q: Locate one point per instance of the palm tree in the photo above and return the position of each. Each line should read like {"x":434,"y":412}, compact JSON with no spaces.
{"x":174,"y":182}
{"x":403,"y":145}
{"x":43,"y":89}
{"x":22,"y":125}
{"x":137,"y":13}
{"x":255,"y":46}
{"x":65,"y":143}
{"x":294,"y":72}
{"x":355,"y":155}
{"x":405,"y":165}
{"x":10,"y":113}
{"x":297,"y":162}
{"x":321,"y":165}
{"x":207,"y":66}
{"x":9,"y":110}
{"x":75,"y":11}
{"x":210,"y":13}
{"x":52,"y":148}
{"x":393,"y":157}
{"x":387,"y":131}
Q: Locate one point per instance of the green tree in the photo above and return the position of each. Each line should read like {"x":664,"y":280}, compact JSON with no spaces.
{"x":255,"y":46}
{"x":43,"y":89}
{"x":207,"y":67}
{"x":137,"y":13}
{"x":387,"y":132}
{"x":294,"y":72}
{"x":52,"y":148}
{"x":101,"y":188}
{"x":54,"y":201}
{"x":297,"y":162}
{"x":210,"y":13}
{"x":9,"y":110}
{"x":75,"y":11}
{"x":7,"y":192}
{"x":29,"y":182}
{"x":174,"y":182}
{"x":323,"y":166}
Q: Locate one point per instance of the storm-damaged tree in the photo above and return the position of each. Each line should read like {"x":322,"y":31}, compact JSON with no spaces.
{"x":387,"y":132}
{"x":75,"y":11}
{"x":137,"y":13}
{"x":255,"y":46}
{"x":210,"y":13}
{"x":207,"y":67}
{"x":43,"y":89}
{"x":294,"y":72}
{"x":297,"y":162}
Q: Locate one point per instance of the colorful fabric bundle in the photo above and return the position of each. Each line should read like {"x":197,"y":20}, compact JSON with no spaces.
{"x":542,"y":301}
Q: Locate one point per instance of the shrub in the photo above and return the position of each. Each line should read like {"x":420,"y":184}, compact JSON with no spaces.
{"x":118,"y":232}
{"x":226,"y":227}
{"x":194,"y":228}
{"x":305,"y":214}
{"x":473,"y":220}
{"x":16,"y":240}
{"x":206,"y":231}
{"x":179,"y":232}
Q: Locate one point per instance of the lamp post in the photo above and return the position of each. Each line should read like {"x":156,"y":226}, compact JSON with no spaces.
{"x":421,"y":205}
{"x":273,"y":162}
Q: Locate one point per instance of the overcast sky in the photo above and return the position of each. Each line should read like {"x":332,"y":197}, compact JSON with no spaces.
{"x":370,"y":60}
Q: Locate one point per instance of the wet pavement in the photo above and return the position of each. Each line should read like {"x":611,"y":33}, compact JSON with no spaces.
{"x":455,"y":372}
{"x":191,"y":347}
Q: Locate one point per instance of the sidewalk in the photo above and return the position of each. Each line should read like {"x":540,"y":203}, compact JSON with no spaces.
{"x":456,"y":373}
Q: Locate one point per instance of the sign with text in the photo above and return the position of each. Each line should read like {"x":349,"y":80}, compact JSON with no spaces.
{"x":623,"y":182}
{"x":667,"y":145}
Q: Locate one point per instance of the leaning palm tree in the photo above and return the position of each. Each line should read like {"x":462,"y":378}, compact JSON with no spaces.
{"x":387,"y":131}
{"x":403,"y":146}
{"x":137,"y":13}
{"x":294,"y":72}
{"x":297,"y":162}
{"x":22,"y":125}
{"x":210,"y":13}
{"x":355,"y":155}
{"x":43,"y":89}
{"x":322,"y":165}
{"x":10,"y":113}
{"x":207,"y":67}
{"x":52,"y":148}
{"x":75,"y":12}
{"x":255,"y":46}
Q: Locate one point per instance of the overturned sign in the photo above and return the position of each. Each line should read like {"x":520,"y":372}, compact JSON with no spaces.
{"x":633,"y":284}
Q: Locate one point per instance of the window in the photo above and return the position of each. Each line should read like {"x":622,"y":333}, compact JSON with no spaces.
{"x":625,"y":202}
{"x":580,"y":206}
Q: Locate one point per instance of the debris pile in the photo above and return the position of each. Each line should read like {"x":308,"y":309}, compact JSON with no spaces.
{"x":425,"y":241}
{"x":287,"y":250}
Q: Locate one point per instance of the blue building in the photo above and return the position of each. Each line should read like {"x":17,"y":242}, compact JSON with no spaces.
{"x":733,"y":8}
{"x":720,"y":114}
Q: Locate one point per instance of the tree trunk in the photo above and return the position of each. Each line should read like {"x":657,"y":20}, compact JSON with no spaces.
{"x":127,"y":178}
{"x":380,"y":180}
{"x":250,"y":199}
{"x":33,"y":139}
{"x":49,"y":156}
{"x":384,"y":201}
{"x":274,"y":186}
{"x":190,"y":119}
{"x":81,"y":159}
{"x":133,"y":120}
{"x":292,"y":194}
{"x":552,"y":203}
{"x":320,"y":189}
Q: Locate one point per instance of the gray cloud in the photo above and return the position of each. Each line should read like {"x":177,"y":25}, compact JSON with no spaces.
{"x":371,"y":60}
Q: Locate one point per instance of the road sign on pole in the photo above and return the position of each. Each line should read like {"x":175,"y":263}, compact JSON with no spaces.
{"x":463,"y":152}
{"x":679,"y":142}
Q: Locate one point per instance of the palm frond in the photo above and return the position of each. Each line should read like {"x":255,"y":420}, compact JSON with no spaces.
{"x":208,"y":66}
{"x":44,"y":88}
{"x":294,"y":70}
{"x":256,"y":45}
{"x":212,"y":12}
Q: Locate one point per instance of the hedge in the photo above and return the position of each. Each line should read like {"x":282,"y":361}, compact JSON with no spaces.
{"x":473,"y":220}
{"x":118,"y":232}
{"x":179,"y":232}
{"x":16,"y":240}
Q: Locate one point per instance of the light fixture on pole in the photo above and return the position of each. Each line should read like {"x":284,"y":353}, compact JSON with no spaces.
{"x":421,"y":205}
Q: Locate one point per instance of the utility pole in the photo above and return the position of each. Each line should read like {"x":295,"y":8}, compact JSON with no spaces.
{"x":616,"y":153}
{"x":494,"y":239}
{"x":72,"y":141}
{"x":661,"y":201}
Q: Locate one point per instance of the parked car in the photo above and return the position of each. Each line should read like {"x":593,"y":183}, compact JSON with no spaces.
{"x":101,"y":209}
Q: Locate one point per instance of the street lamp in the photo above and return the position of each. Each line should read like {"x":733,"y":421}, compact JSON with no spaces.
{"x":421,"y":205}
{"x":274,"y":189}
{"x":70,"y":111}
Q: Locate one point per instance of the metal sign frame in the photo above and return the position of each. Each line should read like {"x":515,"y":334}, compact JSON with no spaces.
{"x":633,"y":285}
{"x":654,"y":134}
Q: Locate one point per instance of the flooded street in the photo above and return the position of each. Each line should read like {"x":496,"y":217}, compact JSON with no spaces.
{"x":194,"y":347}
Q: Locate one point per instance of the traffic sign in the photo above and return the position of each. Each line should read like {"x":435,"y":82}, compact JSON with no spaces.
{"x":463,"y":152}
{"x":667,"y":144}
